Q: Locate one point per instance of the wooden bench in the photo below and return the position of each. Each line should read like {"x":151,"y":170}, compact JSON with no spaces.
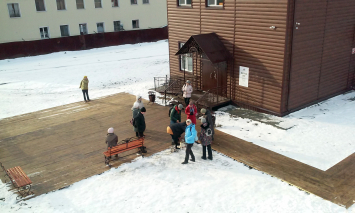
{"x":19,"y":180}
{"x":125,"y":145}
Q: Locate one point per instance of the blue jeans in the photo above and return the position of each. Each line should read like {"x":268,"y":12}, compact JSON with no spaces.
{"x":172,"y":122}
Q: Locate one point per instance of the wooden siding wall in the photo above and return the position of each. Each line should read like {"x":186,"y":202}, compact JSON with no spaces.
{"x":321,"y":51}
{"x":183,"y":22}
{"x":244,"y":28}
{"x":262,"y":50}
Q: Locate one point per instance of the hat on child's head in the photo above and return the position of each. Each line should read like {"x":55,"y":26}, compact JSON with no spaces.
{"x":203,"y":120}
{"x":110,"y":130}
{"x":181,"y":106}
{"x":143,"y":109}
{"x":203,"y":110}
{"x":189,"y":121}
{"x":188,"y":81}
{"x":85,"y":76}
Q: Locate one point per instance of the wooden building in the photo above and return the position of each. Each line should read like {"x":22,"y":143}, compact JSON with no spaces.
{"x":275,"y":56}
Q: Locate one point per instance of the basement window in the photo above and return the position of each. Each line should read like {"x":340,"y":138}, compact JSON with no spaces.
{"x":184,"y":3}
{"x":215,"y":3}
{"x":44,"y":32}
{"x":135,"y":24}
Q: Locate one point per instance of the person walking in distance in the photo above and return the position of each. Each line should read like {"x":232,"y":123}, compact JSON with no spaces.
{"x":191,"y":112}
{"x":206,"y":139}
{"x":139,"y":122}
{"x":175,"y":114}
{"x":190,"y":135}
{"x":187,"y":91}
{"x":84,"y":86}
{"x":208,"y":115}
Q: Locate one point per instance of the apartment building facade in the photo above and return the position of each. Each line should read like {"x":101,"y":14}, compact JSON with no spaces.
{"x":29,"y":20}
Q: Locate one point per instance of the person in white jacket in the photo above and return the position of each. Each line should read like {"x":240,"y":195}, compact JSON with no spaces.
{"x":187,"y":90}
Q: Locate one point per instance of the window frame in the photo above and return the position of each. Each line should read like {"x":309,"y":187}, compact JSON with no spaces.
{"x":103,"y":27}
{"x":47,"y":33}
{"x":146,"y":2}
{"x":215,"y":5}
{"x":183,"y":5}
{"x":61,"y":30}
{"x":19,"y":11}
{"x":137,"y":23}
{"x":44,"y":4}
{"x":118,"y":3}
{"x":114,"y":29}
{"x":180,"y":45}
{"x":87,"y":30}
{"x":100,"y":4}
{"x":65,"y":5}
{"x":135,"y":3}
{"x":76,"y":3}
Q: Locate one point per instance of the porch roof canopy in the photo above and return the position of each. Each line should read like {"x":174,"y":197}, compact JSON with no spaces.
{"x":209,"y":44}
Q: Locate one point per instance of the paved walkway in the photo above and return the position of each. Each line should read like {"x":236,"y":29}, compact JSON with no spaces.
{"x":59,"y":146}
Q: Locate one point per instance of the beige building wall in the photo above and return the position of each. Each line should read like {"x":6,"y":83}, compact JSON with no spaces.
{"x":26,"y":27}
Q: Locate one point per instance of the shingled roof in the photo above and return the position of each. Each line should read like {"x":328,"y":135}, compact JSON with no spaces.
{"x":211,"y":45}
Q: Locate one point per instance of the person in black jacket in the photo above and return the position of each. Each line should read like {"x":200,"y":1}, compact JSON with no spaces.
{"x":139,"y":122}
{"x":177,"y":129}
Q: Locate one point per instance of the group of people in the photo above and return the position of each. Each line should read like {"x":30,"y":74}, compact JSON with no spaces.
{"x":177,"y":128}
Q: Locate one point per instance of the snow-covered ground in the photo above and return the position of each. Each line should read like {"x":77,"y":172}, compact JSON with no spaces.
{"x":320,"y":136}
{"x":161,"y":184}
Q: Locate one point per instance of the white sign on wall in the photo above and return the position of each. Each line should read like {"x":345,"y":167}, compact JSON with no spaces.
{"x":243,"y":76}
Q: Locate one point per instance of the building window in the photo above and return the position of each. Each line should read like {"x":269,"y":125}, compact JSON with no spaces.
{"x":214,"y":3}
{"x":64,"y":30}
{"x":100,"y":27}
{"x":40,"y":5}
{"x":60,"y":5}
{"x":80,"y":4}
{"x":83,"y":29}
{"x":98,"y":4}
{"x":44,"y":32}
{"x":184,"y":2}
{"x":134,"y":2}
{"x":185,"y":61}
{"x":14,"y":10}
{"x":135,"y":24}
{"x":117,"y":26}
{"x":145,"y":1}
{"x":114,"y":3}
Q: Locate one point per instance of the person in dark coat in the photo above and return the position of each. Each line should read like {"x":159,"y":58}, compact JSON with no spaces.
{"x":111,"y":139}
{"x":177,"y":129}
{"x":208,"y":115}
{"x":135,"y":112}
{"x":175,"y":114}
{"x":139,"y":122}
{"x":206,"y":139}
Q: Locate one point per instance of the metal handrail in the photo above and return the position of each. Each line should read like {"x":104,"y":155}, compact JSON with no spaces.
{"x":167,"y":90}
{"x":214,"y":95}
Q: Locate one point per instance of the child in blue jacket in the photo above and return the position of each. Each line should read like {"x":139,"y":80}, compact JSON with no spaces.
{"x":190,"y":135}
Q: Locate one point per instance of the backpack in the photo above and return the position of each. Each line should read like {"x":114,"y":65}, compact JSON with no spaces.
{"x":171,"y":108}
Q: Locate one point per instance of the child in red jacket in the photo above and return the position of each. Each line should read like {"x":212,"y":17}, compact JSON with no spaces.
{"x":191,"y":112}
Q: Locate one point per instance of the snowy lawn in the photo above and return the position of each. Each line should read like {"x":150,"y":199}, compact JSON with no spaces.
{"x":161,"y":184}
{"x":321,"y":136}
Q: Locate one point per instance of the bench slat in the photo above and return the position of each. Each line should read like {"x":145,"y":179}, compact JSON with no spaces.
{"x":124,"y":147}
{"x":18,"y":176}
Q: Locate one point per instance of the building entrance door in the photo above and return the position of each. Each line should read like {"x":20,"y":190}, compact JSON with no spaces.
{"x":213,"y":76}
